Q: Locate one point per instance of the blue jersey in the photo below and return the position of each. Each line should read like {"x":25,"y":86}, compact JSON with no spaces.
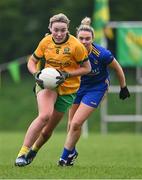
{"x":99,"y":58}
{"x":95,"y":85}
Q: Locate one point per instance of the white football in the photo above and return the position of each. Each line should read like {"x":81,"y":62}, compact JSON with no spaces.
{"x":48,"y":76}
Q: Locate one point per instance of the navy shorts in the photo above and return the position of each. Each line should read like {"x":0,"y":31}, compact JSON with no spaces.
{"x":92,"y":95}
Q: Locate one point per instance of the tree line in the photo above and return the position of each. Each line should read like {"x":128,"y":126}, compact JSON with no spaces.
{"x":24,"y":22}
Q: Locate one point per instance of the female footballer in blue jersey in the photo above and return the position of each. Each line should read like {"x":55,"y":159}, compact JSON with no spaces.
{"x":93,"y":88}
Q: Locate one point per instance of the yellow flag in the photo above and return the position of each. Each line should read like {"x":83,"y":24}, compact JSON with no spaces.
{"x":100,"y":19}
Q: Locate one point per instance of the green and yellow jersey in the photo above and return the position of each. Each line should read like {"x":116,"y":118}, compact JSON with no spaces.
{"x":65,"y":57}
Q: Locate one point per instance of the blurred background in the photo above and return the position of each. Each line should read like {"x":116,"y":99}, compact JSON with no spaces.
{"x":118,"y":26}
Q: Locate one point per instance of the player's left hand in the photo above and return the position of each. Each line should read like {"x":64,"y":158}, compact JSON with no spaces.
{"x":124,"y":93}
{"x":63,"y":76}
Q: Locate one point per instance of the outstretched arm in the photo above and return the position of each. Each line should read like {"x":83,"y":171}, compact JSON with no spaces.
{"x":124,"y":92}
{"x":119,"y":71}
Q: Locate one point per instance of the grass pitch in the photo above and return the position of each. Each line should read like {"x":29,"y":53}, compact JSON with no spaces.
{"x":109,"y":156}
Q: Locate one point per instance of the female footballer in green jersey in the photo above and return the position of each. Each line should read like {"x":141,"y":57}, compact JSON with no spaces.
{"x":64,"y":52}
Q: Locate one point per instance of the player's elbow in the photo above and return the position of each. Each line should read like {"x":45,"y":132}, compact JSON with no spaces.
{"x":88,"y":69}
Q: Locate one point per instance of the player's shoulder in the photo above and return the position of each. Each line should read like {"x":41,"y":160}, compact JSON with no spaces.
{"x":73,"y":40}
{"x":99,"y":50}
{"x":76,"y":43}
{"x":46,"y":39}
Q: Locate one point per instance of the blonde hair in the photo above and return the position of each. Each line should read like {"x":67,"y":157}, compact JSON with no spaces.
{"x":86,"y":26}
{"x":59,"y":18}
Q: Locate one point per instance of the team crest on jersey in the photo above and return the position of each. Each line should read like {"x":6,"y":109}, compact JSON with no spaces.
{"x":96,"y":62}
{"x":66,"y":50}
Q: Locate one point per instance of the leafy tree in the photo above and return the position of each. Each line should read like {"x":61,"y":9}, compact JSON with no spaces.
{"x":24,"y":22}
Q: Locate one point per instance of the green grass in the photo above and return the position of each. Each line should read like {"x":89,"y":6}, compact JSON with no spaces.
{"x":18,"y":105}
{"x":100,"y":156}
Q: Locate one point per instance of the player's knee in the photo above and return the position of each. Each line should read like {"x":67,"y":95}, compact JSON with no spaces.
{"x":43,"y":118}
{"x":75,"y":126}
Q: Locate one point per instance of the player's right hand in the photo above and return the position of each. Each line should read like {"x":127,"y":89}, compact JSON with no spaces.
{"x":38,"y":81}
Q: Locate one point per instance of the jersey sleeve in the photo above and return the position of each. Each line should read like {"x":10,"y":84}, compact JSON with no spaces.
{"x":80,"y":54}
{"x":107,"y":57}
{"x":39,"y":52}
